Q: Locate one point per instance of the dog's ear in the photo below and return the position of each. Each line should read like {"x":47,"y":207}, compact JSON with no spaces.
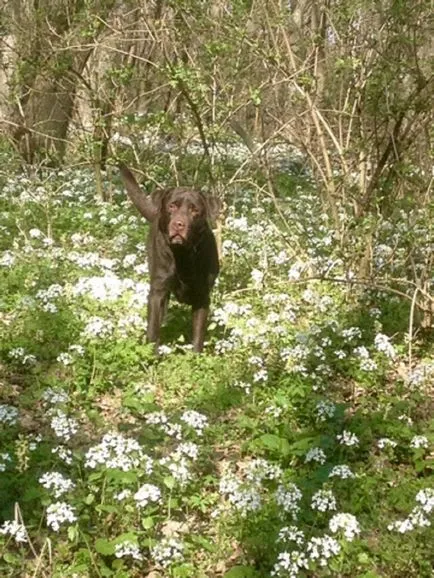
{"x":213,"y":207}
{"x":157,"y":198}
{"x":142,"y":202}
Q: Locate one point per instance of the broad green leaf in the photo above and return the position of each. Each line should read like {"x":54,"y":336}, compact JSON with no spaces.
{"x":104,"y":547}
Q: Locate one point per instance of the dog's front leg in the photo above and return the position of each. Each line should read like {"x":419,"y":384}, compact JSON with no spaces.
{"x":156,"y":305}
{"x":200,"y":316}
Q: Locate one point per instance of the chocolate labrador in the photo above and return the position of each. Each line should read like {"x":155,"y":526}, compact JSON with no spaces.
{"x":183,"y":257}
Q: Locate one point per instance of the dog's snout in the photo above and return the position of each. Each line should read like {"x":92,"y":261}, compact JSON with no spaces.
{"x":180,"y":225}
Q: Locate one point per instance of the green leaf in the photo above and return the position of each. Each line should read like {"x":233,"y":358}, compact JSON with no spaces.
{"x":72,"y":533}
{"x":274,"y":443}
{"x":205,"y":543}
{"x":89,"y":499}
{"x":126,"y":537}
{"x":104,"y":547}
{"x":95,"y":477}
{"x":148,"y":523}
{"x":11,"y":558}
{"x":120,"y":476}
{"x":169,"y":482}
{"x":300,"y":447}
{"x":132,"y":403}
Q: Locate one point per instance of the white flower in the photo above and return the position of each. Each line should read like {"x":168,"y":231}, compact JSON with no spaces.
{"x":195,"y":420}
{"x":244,"y":497}
{"x":65,"y":358}
{"x":64,"y":454}
{"x":382,"y":343}
{"x":291,"y":534}
{"x":386,"y":442}
{"x":323,"y":501}
{"x":178,"y":466}
{"x":4,"y":459}
{"x":426,"y":499}
{"x":164,"y":350}
{"x":288,"y":498}
{"x":315,"y":455}
{"x":346,"y":522}
{"x":361,"y":352}
{"x":20,"y":354}
{"x":346,"y":438}
{"x":15,"y":530}
{"x":257,"y":277}
{"x":8,"y":414}
{"x":273,"y":410}
{"x":289,"y":564}
{"x":417,"y":516}
{"x":156,"y":418}
{"x":141,"y":268}
{"x":148,"y":493}
{"x":259,"y":469}
{"x":64,"y":427}
{"x":260,"y":375}
{"x":419,"y":442}
{"x":246,"y":387}
{"x":118,"y":452}
{"x":129,"y":549}
{"x":123,"y":495}
{"x":416,"y":519}
{"x":57,"y":482}
{"x":341,"y":471}
{"x":237,"y":224}
{"x":322,"y":549}
{"x":168,"y":551}
{"x":189,"y":449}
{"x":35,"y":233}
{"x":55,"y":396}
{"x":59,"y":513}
{"x":129,"y":260}
{"x":108,"y":287}
{"x":7,"y":259}
{"x":98,"y":327}
{"x":325,"y":409}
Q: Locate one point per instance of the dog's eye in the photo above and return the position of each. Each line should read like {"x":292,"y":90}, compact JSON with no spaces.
{"x":172,"y":207}
{"x":194,"y":211}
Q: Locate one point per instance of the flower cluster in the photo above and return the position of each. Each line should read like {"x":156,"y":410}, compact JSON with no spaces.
{"x":341,"y":471}
{"x":197,"y":421}
{"x":417,"y":517}
{"x":168,"y":551}
{"x":316,"y":455}
{"x":64,"y":427}
{"x":323,"y":501}
{"x":17,"y":531}
{"x":322,"y":549}
{"x":58,"y":514}
{"x":288,"y":499}
{"x":346,"y":438}
{"x":245,"y":497}
{"x":128,"y":549}
{"x":57,"y":483}
{"x":347,"y":523}
{"x":147,"y":494}
{"x":8,"y":414}
{"x":118,"y":451}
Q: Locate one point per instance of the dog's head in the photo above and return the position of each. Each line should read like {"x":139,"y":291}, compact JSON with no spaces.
{"x":184,"y":213}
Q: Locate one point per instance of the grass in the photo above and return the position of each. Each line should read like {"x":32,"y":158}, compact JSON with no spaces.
{"x":214,"y":441}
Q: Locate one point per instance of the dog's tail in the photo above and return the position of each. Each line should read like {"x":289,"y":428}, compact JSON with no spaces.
{"x":142,"y":202}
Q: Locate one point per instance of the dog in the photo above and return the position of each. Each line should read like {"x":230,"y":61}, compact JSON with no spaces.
{"x":182,"y":252}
